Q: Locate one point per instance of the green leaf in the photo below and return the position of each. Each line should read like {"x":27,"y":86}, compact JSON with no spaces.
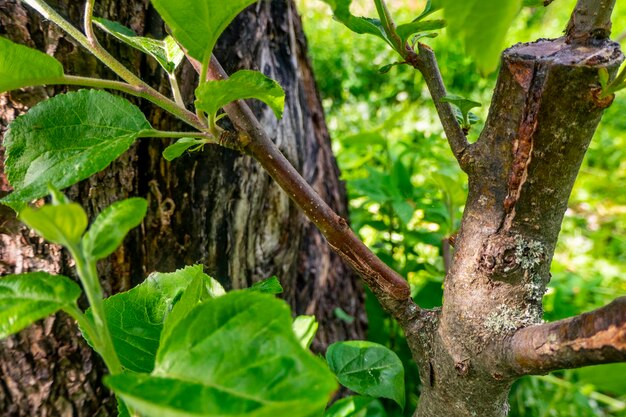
{"x":361,"y":25}
{"x":368,"y":368}
{"x":122,"y":410}
{"x":431,"y":7}
{"x":483,"y":25}
{"x":401,"y":178}
{"x":235,"y":355}
{"x":26,"y":298}
{"x":66,"y":139}
{"x":111,"y":226}
{"x":57,"y":197}
{"x":305,"y":328}
{"x":269,"y":286}
{"x":403,"y":209}
{"x":535,"y":3}
{"x":464,"y":105}
{"x":21,"y":66}
{"x":136,"y":317}
{"x":430,"y":294}
{"x":356,"y":406}
{"x":63,"y":224}
{"x":177,"y":149}
{"x":343,"y":316}
{"x":406,"y":30}
{"x":195,"y":294}
{"x":197,"y":24}
{"x":212,"y":95}
{"x":167,"y":52}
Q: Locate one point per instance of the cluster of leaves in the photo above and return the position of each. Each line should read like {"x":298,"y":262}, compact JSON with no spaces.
{"x":184,"y":345}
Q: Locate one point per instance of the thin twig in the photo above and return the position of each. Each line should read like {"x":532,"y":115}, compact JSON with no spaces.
{"x":388,"y":24}
{"x":426,"y":63}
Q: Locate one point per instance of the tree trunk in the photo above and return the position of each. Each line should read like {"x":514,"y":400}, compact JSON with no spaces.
{"x":545,"y":110}
{"x":215,"y":207}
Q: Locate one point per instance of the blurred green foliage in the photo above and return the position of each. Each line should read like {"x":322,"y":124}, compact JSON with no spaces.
{"x":407,"y":192}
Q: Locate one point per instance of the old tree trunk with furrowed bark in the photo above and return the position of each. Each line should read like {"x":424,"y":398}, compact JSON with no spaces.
{"x":216,"y":207}
{"x":546,"y":107}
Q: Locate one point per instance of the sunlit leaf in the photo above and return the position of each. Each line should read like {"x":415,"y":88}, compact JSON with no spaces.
{"x":269,"y":286}
{"x":195,"y":294}
{"x":356,"y":406}
{"x":167,"y":52}
{"x":21,"y":66}
{"x":111,"y":226}
{"x":235,"y":355}
{"x":197,"y":24}
{"x":431,"y":7}
{"x":305,"y":328}
{"x":63,"y":223}
{"x":406,"y":30}
{"x":483,"y":25}
{"x":180,"y":146}
{"x":464,"y":106}
{"x":361,"y":25}
{"x":368,"y":368}
{"x":65,"y":139}
{"x":26,"y":298}
{"x":244,"y":84}
{"x":136,"y":317}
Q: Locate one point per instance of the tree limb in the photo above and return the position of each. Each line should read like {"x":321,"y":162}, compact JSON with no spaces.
{"x":390,"y":288}
{"x":426,"y":63}
{"x":587,"y":339}
{"x":591,"y":19}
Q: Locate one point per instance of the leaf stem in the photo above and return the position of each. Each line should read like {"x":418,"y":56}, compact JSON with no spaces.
{"x":140,"y":88}
{"x":96,"y":49}
{"x":89,"y":278}
{"x":178,"y":98}
{"x":88,"y":24}
{"x":85,"y":325}
{"x":149,"y":94}
{"x":204,"y":69}
{"x":389,"y":25}
{"x":151,"y":133}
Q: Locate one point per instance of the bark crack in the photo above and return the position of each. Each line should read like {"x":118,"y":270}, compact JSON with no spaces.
{"x":524,"y":143}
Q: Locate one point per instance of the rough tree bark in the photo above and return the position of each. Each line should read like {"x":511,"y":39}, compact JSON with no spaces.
{"x":217,"y":207}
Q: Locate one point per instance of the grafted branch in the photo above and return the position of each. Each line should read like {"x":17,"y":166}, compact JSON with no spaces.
{"x":390,"y":288}
{"x":587,"y":339}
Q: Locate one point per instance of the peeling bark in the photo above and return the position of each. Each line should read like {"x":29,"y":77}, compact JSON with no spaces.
{"x":591,"y":338}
